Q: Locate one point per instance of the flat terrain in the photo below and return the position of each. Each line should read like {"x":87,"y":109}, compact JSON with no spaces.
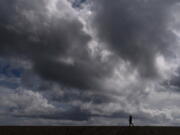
{"x":92,"y":130}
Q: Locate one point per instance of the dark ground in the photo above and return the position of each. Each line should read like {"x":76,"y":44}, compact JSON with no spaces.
{"x":86,"y":130}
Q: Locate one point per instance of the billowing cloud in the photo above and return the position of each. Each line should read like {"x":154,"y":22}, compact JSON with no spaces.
{"x":73,"y":62}
{"x":138,"y":31}
{"x":56,"y":45}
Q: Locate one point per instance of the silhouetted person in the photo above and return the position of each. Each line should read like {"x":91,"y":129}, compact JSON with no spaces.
{"x":130,"y":121}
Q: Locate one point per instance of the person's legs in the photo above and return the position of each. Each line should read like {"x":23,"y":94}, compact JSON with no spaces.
{"x":131,"y":124}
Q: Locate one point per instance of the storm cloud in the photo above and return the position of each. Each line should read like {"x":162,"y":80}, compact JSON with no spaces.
{"x":89,"y":62}
{"x":138,"y":31}
{"x":56,"y":46}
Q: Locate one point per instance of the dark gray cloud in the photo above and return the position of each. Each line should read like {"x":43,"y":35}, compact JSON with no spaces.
{"x":173,"y":83}
{"x":75,"y":114}
{"x":48,"y":43}
{"x":136,"y":30}
{"x":62,"y":68}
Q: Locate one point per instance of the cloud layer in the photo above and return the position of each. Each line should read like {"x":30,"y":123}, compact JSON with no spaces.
{"x":89,"y":62}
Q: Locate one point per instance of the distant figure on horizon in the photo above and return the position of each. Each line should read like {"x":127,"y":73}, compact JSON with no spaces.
{"x":130,"y":121}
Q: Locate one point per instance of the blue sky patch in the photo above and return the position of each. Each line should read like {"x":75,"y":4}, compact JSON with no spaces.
{"x":9,"y":71}
{"x":78,"y":3}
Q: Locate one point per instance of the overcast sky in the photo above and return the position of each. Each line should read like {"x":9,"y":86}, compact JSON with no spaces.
{"x":89,"y":62}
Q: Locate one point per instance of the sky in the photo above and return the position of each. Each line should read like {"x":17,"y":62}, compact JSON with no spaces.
{"x":89,"y":62}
